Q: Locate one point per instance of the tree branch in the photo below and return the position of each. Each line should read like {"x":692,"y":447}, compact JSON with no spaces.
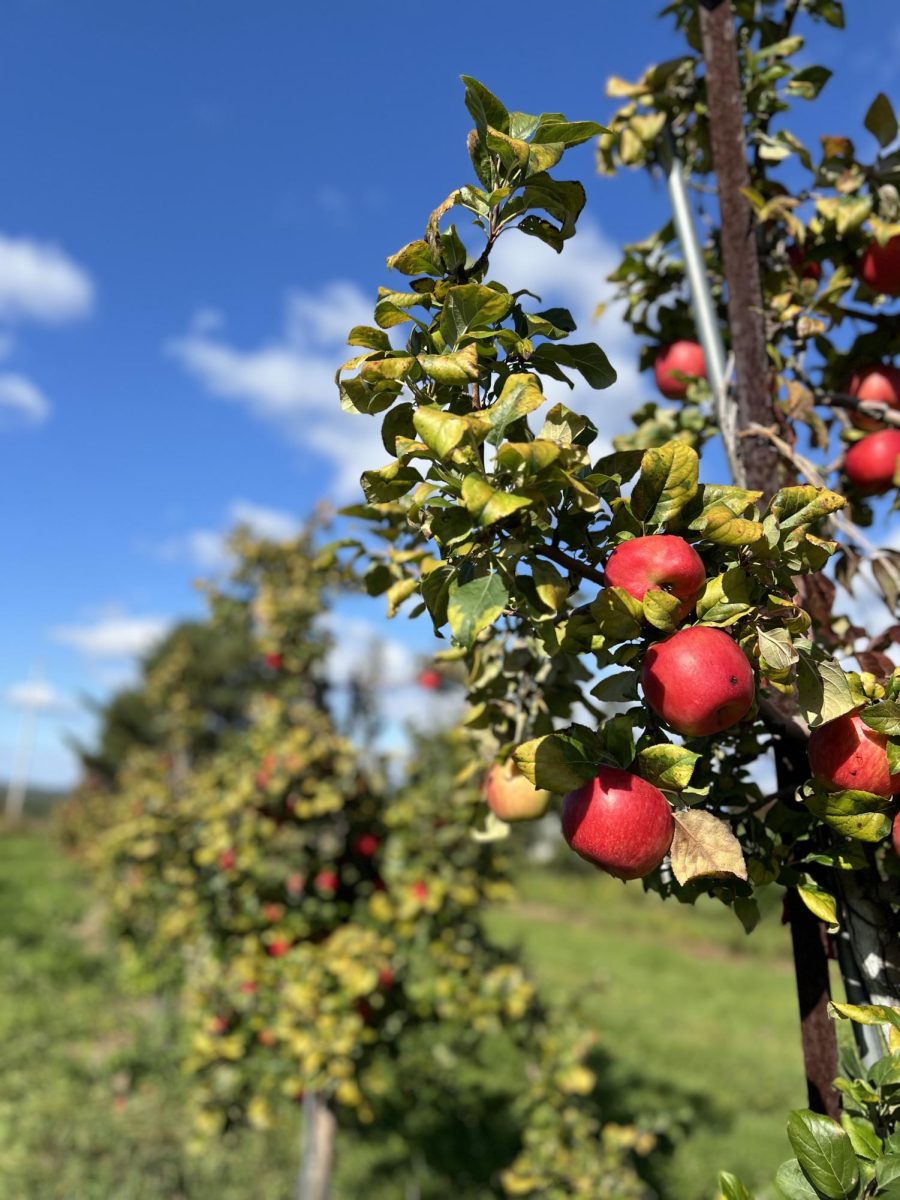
{"x":870,"y":408}
{"x":585,"y":570}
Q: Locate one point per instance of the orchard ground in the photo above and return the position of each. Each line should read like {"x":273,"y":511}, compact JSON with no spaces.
{"x":92,"y":1097}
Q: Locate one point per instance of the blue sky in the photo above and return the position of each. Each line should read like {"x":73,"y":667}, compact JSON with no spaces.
{"x":197,"y":201}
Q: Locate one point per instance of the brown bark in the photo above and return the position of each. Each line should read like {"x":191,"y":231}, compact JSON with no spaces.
{"x":763,"y":470}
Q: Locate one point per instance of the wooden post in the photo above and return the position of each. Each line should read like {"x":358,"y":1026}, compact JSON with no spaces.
{"x":763,"y":470}
{"x":316,"y":1148}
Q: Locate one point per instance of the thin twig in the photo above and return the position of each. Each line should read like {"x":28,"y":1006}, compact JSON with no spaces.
{"x":585,"y":570}
{"x":870,"y":408}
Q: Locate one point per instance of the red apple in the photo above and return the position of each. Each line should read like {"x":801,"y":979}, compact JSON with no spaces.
{"x":266,"y":1037}
{"x":327,"y":881}
{"x":219,"y":1025}
{"x":878,"y":383}
{"x":278,"y":947}
{"x":294,"y":884}
{"x":681,"y":358}
{"x":366,"y":844}
{"x":227,"y":860}
{"x":419,"y":890}
{"x":806,"y":268}
{"x":660,"y":561}
{"x":619,"y":822}
{"x":248,"y":987}
{"x":698,"y":681}
{"x":386,"y":977}
{"x":871,"y":462}
{"x":274,"y":661}
{"x":511,"y":796}
{"x":430,"y":679}
{"x":879,"y":267}
{"x":273,"y":912}
{"x":846,"y":753}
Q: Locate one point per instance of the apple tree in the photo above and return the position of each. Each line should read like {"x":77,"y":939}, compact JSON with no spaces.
{"x":706,"y":610}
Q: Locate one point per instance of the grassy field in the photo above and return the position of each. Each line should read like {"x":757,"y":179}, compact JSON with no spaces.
{"x":697,"y":1025}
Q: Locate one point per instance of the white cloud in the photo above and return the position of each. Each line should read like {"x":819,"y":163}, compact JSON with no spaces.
{"x":112,"y":635}
{"x":22,"y":400}
{"x":359,"y":643}
{"x":40,"y":282}
{"x":289,"y":382}
{"x":39,"y":695}
{"x":208,"y":548}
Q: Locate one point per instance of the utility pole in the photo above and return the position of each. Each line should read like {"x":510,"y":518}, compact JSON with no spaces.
{"x":18,"y":779}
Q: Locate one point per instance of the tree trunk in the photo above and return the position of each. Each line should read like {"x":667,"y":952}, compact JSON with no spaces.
{"x":758,"y":465}
{"x":316,"y":1148}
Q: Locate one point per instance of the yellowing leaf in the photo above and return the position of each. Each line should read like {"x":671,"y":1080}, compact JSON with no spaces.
{"x":668,"y":480}
{"x":704,"y":847}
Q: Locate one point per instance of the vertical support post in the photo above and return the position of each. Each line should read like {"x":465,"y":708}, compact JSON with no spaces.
{"x":757,"y":465}
{"x":316,"y":1148}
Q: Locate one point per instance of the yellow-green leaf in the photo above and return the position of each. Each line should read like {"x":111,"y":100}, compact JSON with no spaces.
{"x":704,"y":847}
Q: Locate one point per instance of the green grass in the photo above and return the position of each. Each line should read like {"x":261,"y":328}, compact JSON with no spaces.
{"x":697,"y":1026}
{"x":697,"y":1021}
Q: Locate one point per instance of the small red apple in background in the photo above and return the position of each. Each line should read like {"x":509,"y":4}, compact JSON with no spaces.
{"x":364,"y":1010}
{"x":226,"y":860}
{"x":274,"y":661}
{"x":878,"y":383}
{"x":248,"y":987}
{"x":660,"y":561}
{"x":619,"y":822}
{"x":327,"y":881}
{"x":698,"y":681}
{"x":266,"y":1037}
{"x":386,"y":978}
{"x":419,"y":890}
{"x":219,"y":1025}
{"x":294,"y":884}
{"x":511,"y":796}
{"x":273,"y":912}
{"x":871,"y":462}
{"x":430,"y":679}
{"x":278,"y":947}
{"x":366,"y":844}
{"x":806,"y":268}
{"x":846,"y":753}
{"x":879,"y":267}
{"x":681,"y":358}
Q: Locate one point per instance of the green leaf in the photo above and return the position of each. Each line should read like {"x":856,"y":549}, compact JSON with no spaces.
{"x":802,"y":505}
{"x":532,"y":457}
{"x":436,"y":593}
{"x":588,"y":359}
{"x":388,"y":483}
{"x":720,"y":525}
{"x":440,"y":431}
{"x":551,"y":587}
{"x":521,"y":395}
{"x":822,"y":685}
{"x":617,"y":689}
{"x":488,"y":505}
{"x":365,"y":335}
{"x":884,"y":717}
{"x":726,"y":598}
{"x":792,"y":1184}
{"x":732,"y":1188}
{"x":472,"y":306}
{"x":484,"y":106}
{"x":668,"y":480}
{"x":865,"y":1141}
{"x":661,"y":609}
{"x":562,"y":761}
{"x":853,"y":814}
{"x":825,"y":1154}
{"x":667,"y":766}
{"x":881,"y":121}
{"x":415,"y":258}
{"x":617,"y":614}
{"x":776,"y":651}
{"x":458,"y":367}
{"x":398,"y":592}
{"x":474,"y":606}
{"x":570,"y":133}
{"x":561,"y":199}
{"x":819,"y":902}
{"x":809,"y":82}
{"x":567,"y":427}
{"x":887,"y":1176}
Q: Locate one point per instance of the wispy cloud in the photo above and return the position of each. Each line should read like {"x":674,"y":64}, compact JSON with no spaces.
{"x":21,"y":401}
{"x":40,"y":282}
{"x":207,"y":549}
{"x":39,"y":695}
{"x":114,"y":634}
